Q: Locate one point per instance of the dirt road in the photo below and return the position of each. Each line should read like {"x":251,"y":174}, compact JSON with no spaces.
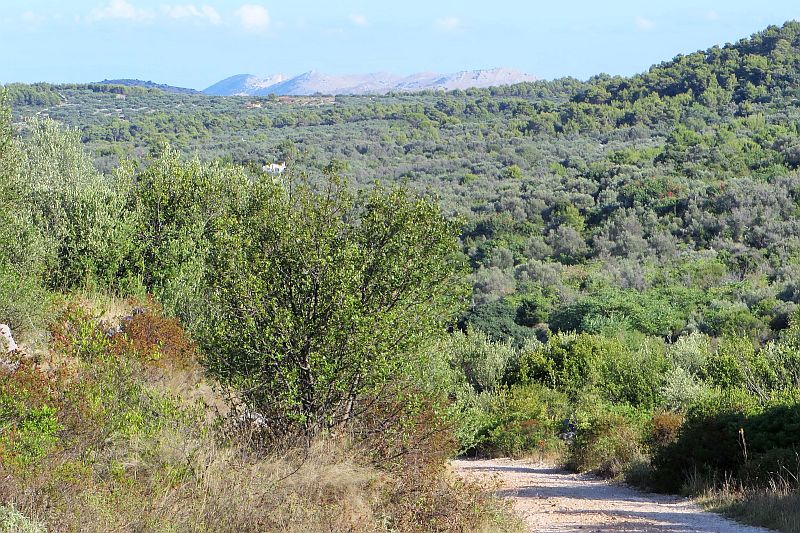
{"x":551,"y":500}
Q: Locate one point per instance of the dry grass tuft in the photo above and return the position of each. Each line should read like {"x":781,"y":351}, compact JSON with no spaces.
{"x":774,"y":506}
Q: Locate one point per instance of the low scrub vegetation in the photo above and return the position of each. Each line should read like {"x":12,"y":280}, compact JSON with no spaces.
{"x":773,"y":505}
{"x":107,"y":436}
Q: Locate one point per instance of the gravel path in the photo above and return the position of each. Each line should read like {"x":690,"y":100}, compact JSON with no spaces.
{"x":552,"y":500}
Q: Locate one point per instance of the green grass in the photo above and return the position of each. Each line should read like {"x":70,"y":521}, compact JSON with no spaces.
{"x":12,"y":521}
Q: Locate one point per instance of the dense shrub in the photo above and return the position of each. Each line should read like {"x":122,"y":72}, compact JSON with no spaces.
{"x":83,"y":217}
{"x":478,"y":361}
{"x":650,"y":313}
{"x":731,"y":434}
{"x":498,"y":320}
{"x":180,"y":206}
{"x":608,"y":439}
{"x":580,"y":362}
{"x":23,"y":253}
{"x":489,"y":416}
{"x":524,"y":421}
{"x":665,"y":427}
{"x":24,"y":304}
{"x":681,"y":389}
{"x":155,"y":338}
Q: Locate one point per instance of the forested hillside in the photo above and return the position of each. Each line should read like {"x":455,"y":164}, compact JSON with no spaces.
{"x":680,"y":177}
{"x":632,"y":245}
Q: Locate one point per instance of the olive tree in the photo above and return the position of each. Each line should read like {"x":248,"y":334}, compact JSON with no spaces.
{"x":23,"y":301}
{"x":82,"y":214}
{"x":179,"y":204}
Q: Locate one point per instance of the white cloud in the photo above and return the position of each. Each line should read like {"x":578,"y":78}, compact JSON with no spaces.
{"x":29,"y":17}
{"x":359,"y":20}
{"x":449,"y":23}
{"x":184,"y":11}
{"x":253,"y":17}
{"x":712,"y":15}
{"x":120,"y":9}
{"x":644,"y":24}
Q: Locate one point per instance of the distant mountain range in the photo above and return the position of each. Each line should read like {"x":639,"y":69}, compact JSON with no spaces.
{"x":314,"y":82}
{"x":244,"y":84}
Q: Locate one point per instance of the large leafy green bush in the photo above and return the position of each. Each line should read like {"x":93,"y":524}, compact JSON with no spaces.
{"x":476,"y":361}
{"x":23,"y":252}
{"x":84,"y":217}
{"x":318,"y":298}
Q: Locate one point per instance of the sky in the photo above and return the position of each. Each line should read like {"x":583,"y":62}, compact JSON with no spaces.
{"x":197,"y":44}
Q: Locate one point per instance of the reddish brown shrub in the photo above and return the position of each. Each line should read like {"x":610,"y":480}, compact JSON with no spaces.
{"x":157,"y":339}
{"x":665,"y":427}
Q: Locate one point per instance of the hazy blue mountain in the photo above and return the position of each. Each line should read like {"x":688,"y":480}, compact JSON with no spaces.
{"x":243,"y":84}
{"x":313,"y":82}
